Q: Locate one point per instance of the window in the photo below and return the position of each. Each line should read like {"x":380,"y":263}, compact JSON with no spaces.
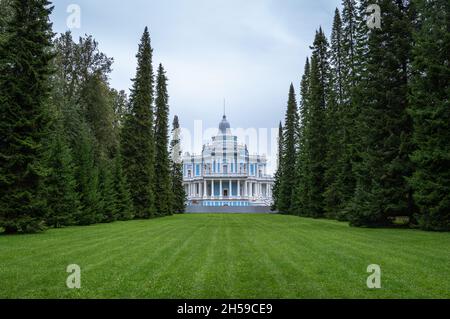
{"x":197,"y":170}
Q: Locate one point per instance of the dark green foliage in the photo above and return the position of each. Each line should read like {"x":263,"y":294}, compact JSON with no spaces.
{"x":178,"y":192}
{"x":163,"y":193}
{"x":289,"y":155}
{"x":138,"y":135}
{"x":382,"y":191}
{"x":300,"y":196}
{"x":123,"y":203}
{"x":97,"y":107}
{"x":87,"y":175}
{"x":335,"y":108}
{"x":120,"y":107}
{"x":63,"y":205}
{"x":5,"y":17}
{"x":319,"y":99}
{"x":354,"y":32}
{"x":108,"y":211}
{"x":24,"y":93}
{"x":430,"y":110}
{"x":279,"y":172}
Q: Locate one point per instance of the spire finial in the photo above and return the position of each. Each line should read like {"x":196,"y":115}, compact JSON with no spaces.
{"x":224,"y":108}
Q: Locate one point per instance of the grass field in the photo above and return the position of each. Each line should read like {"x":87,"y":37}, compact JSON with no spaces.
{"x":226,"y":256}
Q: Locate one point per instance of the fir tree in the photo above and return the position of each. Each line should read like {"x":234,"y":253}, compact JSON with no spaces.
{"x":63,"y":205}
{"x":319,"y":99}
{"x":108,"y":211}
{"x":429,"y":107}
{"x":354,"y":31}
{"x":123,"y":203}
{"x":382,"y":191}
{"x":333,"y":197}
{"x":279,"y":172}
{"x":290,"y":147}
{"x":25,"y":58}
{"x":300,"y":201}
{"x":163,"y":193}
{"x":138,"y":143}
{"x":179,"y":194}
{"x":87,"y":176}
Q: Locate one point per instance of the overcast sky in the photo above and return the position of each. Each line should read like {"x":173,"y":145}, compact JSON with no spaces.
{"x":245,"y":51}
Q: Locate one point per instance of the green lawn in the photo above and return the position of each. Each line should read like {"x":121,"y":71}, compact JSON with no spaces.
{"x":226,"y":256}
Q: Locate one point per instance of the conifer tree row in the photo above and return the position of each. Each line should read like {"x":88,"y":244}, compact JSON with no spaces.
{"x":74,"y":151}
{"x":373,"y":138}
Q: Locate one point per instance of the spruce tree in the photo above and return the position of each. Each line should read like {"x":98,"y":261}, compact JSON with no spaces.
{"x":63,"y":204}
{"x":87,"y":176}
{"x":108,"y":211}
{"x":138,"y":143}
{"x":178,"y":192}
{"x":300,"y":201}
{"x":163,"y":193}
{"x":123,"y":204}
{"x":290,"y":147}
{"x":316,"y":134}
{"x":25,"y":58}
{"x":429,"y":108}
{"x":354,"y":31}
{"x":382,"y":191}
{"x":279,"y":172}
{"x":333,"y":197}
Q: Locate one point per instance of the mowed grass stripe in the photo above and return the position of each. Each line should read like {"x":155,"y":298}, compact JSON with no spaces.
{"x":225,"y":256}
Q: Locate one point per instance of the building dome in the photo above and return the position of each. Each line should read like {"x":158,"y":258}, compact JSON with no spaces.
{"x":224,"y":126}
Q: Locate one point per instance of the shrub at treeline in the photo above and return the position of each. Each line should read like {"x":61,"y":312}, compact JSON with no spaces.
{"x":370,"y":139}
{"x":74,"y":151}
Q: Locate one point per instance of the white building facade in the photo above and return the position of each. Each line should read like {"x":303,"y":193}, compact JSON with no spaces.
{"x":225,"y":174}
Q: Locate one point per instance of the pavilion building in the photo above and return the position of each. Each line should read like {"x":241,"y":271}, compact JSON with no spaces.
{"x":225,"y":174}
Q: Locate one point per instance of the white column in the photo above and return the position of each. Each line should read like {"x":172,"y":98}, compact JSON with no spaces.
{"x":230,"y":191}
{"x":212,"y":188}
{"x":221,"y":189}
{"x":205,"y":189}
{"x":239,"y":188}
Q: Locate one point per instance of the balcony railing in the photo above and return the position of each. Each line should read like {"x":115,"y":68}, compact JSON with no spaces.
{"x":228,"y":175}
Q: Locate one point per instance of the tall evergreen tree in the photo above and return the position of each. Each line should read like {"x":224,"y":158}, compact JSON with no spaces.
{"x":179,"y":194}
{"x":123,"y":203}
{"x":138,"y":142}
{"x":25,"y":58}
{"x":333,"y":197}
{"x":163,"y":193}
{"x":319,"y":100}
{"x":87,"y":176}
{"x":382,"y":191}
{"x":279,"y":172}
{"x":108,"y":211}
{"x":290,"y":147}
{"x":300,"y":201}
{"x":63,"y":205}
{"x":430,"y":110}
{"x":354,"y":33}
